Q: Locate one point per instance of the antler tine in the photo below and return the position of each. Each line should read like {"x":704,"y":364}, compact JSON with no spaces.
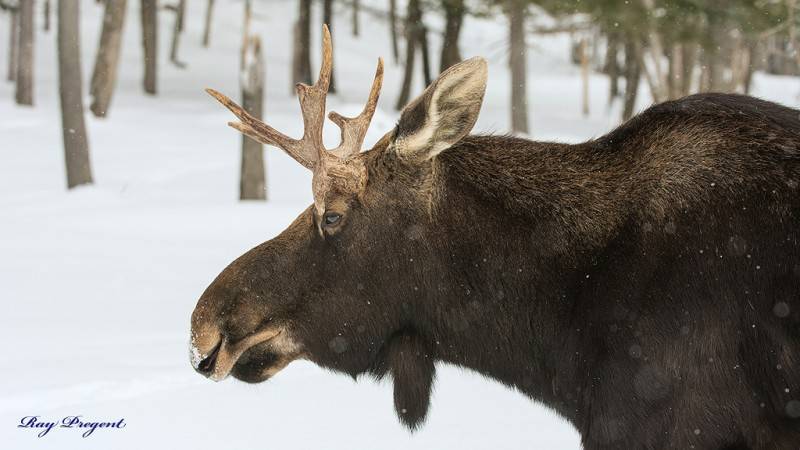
{"x":324,"y":78}
{"x":261,"y":132}
{"x":354,"y":129}
{"x":312,"y":98}
{"x":309,"y":150}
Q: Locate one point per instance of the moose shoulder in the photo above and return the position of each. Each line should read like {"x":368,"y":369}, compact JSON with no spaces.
{"x":644,"y":285}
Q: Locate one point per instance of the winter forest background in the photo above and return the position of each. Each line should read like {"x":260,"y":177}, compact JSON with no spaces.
{"x":123,"y":193}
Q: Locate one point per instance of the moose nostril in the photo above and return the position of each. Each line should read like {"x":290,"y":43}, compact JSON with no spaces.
{"x":207,"y":364}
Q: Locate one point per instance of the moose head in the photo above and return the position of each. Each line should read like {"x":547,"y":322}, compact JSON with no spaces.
{"x":353,"y":284}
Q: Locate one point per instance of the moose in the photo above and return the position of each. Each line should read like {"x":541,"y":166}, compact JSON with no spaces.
{"x":645,"y":285}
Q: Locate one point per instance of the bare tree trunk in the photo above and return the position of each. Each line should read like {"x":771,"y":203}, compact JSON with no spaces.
{"x":659,"y":78}
{"x":689,"y":57}
{"x":149,"y":10}
{"x":24,"y":93}
{"x":612,"y":66}
{"x":393,"y":30}
{"x":356,"y":11}
{"x":715,"y":60}
{"x":46,"y":14}
{"x":327,"y":18}
{"x":207,"y":26}
{"x":751,"y":68}
{"x":675,"y":71}
{"x":656,"y":78}
{"x":740,"y":66}
{"x":76,"y":145}
{"x":633,"y":72}
{"x":13,"y":44}
{"x":584,"y":48}
{"x":252,"y":181}
{"x":422,"y":31}
{"x":301,"y":72}
{"x":412,"y":22}
{"x":516,"y":10}
{"x":104,"y":76}
{"x":454,"y":17}
{"x":704,"y":78}
{"x":180,"y":10}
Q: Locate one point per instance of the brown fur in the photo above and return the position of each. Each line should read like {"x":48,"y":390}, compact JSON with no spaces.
{"x":645,"y":285}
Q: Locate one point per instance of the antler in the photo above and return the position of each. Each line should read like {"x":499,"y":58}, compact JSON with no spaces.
{"x":309,"y":150}
{"x":354,"y":129}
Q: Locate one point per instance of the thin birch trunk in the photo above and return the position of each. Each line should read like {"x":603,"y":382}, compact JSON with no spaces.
{"x":252,"y":181}
{"x":25,"y":61}
{"x":689,"y":54}
{"x":46,"y":15}
{"x":412,"y":22}
{"x":584,"y":76}
{"x":207,"y":25}
{"x":516,"y":10}
{"x":149,"y":13}
{"x":177,"y":30}
{"x":612,"y":66}
{"x":393,"y":30}
{"x":302,"y":45}
{"x":422,"y":31}
{"x":356,"y":12}
{"x":454,"y":17}
{"x":76,"y":145}
{"x":675,"y":71}
{"x":104,"y":76}
{"x":13,"y":44}
{"x":632,"y":76}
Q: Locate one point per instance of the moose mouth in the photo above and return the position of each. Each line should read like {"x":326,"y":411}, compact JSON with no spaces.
{"x":244,"y":357}
{"x":257,"y":364}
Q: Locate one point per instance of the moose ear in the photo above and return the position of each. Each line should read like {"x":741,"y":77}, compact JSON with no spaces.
{"x":444,"y":113}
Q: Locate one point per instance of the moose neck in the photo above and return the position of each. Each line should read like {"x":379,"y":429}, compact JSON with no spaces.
{"x":528,"y":226}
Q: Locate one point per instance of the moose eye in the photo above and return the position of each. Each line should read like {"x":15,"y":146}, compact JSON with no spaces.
{"x":331,"y":218}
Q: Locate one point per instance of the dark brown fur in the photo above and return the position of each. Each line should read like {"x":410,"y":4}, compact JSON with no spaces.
{"x":645,"y":285}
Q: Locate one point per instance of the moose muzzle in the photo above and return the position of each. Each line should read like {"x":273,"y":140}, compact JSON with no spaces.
{"x":213,"y":354}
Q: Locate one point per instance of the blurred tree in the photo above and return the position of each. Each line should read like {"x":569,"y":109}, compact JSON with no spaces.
{"x":179,"y":8}
{"x":632,"y":75}
{"x":583,"y":47}
{"x":611,"y":67}
{"x":356,"y":11}
{"x":104,"y":76}
{"x":46,"y":15}
{"x":149,"y":13}
{"x":253,"y":185}
{"x":13,"y":38}
{"x":301,"y":67}
{"x":454,"y":11}
{"x":422,"y":40}
{"x":24,"y":77}
{"x":207,"y":24}
{"x":681,"y":46}
{"x":412,"y":25}
{"x":393,"y":30}
{"x":252,"y":179}
{"x":516,"y":10}
{"x":76,"y":145}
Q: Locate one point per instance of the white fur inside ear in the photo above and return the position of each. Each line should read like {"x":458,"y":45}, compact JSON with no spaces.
{"x":422,"y":138}
{"x":453,"y":104}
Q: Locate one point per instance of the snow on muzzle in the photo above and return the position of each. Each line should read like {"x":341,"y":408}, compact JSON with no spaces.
{"x":214,"y":355}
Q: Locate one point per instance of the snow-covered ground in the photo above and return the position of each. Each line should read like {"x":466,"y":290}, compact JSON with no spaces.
{"x":98,"y":283}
